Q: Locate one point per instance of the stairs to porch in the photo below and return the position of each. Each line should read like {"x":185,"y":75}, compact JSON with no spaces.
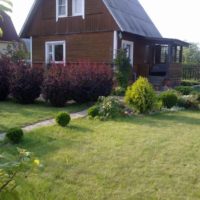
{"x":157,"y":81}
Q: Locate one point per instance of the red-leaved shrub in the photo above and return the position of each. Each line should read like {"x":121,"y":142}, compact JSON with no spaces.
{"x":26,"y":83}
{"x":56,"y":86}
{"x":4,"y":77}
{"x":88,"y":81}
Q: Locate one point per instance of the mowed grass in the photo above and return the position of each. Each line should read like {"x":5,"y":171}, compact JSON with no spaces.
{"x":17,"y":115}
{"x":143,"y":157}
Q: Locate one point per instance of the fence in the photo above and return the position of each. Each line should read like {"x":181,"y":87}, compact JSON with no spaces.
{"x":191,"y":72}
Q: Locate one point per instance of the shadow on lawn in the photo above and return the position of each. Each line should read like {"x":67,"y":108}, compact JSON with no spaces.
{"x":79,"y":129}
{"x":165,"y":118}
{"x":44,"y":142}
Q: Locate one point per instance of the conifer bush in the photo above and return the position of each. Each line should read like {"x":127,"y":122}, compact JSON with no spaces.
{"x":141,"y":96}
{"x":15,"y":135}
{"x":63,"y":119}
{"x":123,"y":69}
{"x":168,"y":98}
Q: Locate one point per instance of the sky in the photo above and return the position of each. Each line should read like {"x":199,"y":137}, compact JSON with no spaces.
{"x":174,"y":18}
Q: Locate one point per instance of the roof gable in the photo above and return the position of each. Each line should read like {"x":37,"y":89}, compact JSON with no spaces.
{"x":131,"y":17}
{"x":9,"y":32}
{"x":128,"y":14}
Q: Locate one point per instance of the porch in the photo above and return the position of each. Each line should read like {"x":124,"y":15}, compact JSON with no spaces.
{"x":164,"y":60}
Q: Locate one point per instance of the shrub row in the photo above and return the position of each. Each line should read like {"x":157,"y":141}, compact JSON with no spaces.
{"x":81,"y":82}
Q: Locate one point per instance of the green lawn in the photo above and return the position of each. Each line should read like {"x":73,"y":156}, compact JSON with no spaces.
{"x":152,"y":157}
{"x":14,"y":115}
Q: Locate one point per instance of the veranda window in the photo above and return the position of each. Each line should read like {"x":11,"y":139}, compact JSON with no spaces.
{"x":161,"y":54}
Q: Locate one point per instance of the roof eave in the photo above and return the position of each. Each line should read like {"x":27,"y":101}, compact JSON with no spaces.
{"x":168,"y":41}
{"x":28,"y":18}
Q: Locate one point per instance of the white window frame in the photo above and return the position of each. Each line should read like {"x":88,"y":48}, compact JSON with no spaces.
{"x":47,"y":43}
{"x":57,"y":10}
{"x":131,"y":50}
{"x":83,"y":9}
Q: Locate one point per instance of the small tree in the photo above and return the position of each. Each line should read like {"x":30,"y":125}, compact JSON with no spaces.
{"x":191,"y":55}
{"x":141,"y":96}
{"x":123,"y":69}
{"x":6,"y":5}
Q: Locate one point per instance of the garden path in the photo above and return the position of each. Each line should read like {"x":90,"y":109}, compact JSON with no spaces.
{"x":47,"y":123}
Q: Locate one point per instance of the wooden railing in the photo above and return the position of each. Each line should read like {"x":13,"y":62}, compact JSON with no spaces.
{"x":191,"y":72}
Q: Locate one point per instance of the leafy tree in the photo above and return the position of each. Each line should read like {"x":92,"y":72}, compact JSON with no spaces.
{"x":191,"y":55}
{"x":6,"y":5}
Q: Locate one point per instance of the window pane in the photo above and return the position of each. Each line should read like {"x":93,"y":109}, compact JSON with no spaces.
{"x":178,"y":54}
{"x":161,"y":54}
{"x":164,"y":54}
{"x":61,"y":2}
{"x":62,"y":7}
{"x":59,"y":52}
{"x":62,"y":10}
{"x":78,"y":6}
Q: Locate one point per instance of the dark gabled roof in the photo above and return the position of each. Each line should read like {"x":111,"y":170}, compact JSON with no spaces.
{"x":9,"y":32}
{"x":132,"y":18}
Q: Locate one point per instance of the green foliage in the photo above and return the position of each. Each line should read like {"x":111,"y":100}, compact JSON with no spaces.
{"x":17,"y":52}
{"x":189,"y":102}
{"x":191,"y":55}
{"x":168,"y":98}
{"x":109,"y":107}
{"x":119,"y":91}
{"x":185,"y":90}
{"x":190,"y":82}
{"x":6,"y":5}
{"x":123,"y":69}
{"x":13,"y":168}
{"x":63,"y":119}
{"x":196,"y":89}
{"x":93,"y":111}
{"x":15,"y":135}
{"x":141,"y":96}
{"x":106,"y":108}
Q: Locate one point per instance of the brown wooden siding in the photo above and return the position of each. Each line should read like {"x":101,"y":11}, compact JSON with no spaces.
{"x":140,"y":67}
{"x":97,"y":18}
{"x":174,"y":73}
{"x":95,"y":47}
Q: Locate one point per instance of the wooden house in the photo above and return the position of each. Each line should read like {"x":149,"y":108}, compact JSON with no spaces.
{"x":9,"y":35}
{"x":69,"y":30}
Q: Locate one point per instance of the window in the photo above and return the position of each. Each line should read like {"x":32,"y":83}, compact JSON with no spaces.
{"x":55,"y":52}
{"x":176,"y":54}
{"x":78,"y":7}
{"x":128,"y":47}
{"x":61,"y":8}
{"x":161,"y":54}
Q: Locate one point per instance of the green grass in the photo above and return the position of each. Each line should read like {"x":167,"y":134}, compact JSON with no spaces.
{"x":17,"y":115}
{"x":146,"y":157}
